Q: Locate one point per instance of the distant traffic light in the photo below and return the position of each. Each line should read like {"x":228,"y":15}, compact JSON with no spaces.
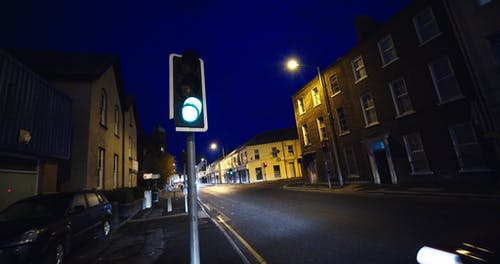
{"x":187,"y":93}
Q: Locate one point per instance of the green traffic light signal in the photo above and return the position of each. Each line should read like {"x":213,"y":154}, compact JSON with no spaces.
{"x":187,"y":93}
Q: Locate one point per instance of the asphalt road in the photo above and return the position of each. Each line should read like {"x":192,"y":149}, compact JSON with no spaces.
{"x":285,"y":226}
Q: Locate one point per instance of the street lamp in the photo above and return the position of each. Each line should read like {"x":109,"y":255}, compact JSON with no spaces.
{"x":293,"y":65}
{"x":214,"y":146}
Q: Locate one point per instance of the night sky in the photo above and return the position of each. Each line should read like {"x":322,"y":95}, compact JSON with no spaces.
{"x":244,"y":46}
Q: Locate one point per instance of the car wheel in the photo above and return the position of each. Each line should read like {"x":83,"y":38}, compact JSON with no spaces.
{"x":106,"y":229}
{"x":56,"y":254}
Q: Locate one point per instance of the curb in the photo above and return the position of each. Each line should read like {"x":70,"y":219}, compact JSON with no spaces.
{"x":405,"y":193}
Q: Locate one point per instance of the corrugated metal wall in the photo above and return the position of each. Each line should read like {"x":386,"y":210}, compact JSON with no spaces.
{"x":30,"y":103}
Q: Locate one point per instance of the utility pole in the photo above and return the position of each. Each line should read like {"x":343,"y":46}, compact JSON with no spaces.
{"x":193,"y":198}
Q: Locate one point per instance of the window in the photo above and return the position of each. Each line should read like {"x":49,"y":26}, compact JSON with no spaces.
{"x":92,"y":199}
{"x":305,"y":135}
{"x":350,"y":162}
{"x":341,"y":119}
{"x":444,"y":80}
{"x":130,"y":147}
{"x":334,"y":83}
{"x":102,"y":108}
{"x":315,"y":96}
{"x":416,"y":154}
{"x":78,"y":200}
{"x":276,"y":170}
{"x":426,"y":26}
{"x":115,"y":171}
{"x":300,"y":106}
{"x":358,"y":67}
{"x":100,"y":168}
{"x":117,"y":121}
{"x":290,"y":149}
{"x":258,"y":173}
{"x":466,"y":146}
{"x":275,"y":152}
{"x":368,"y":107}
{"x":321,"y":129}
{"x":387,"y":50}
{"x":256,"y":154}
{"x":400,"y":97}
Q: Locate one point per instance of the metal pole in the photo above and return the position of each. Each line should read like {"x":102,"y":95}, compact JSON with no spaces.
{"x":332,"y":129}
{"x":192,"y":196}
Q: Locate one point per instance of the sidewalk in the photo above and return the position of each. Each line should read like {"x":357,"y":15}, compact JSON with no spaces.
{"x":461,"y":192}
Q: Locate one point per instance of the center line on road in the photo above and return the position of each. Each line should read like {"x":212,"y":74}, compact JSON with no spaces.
{"x":257,"y":256}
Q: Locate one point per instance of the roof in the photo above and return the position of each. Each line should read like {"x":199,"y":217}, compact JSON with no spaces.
{"x":70,"y":65}
{"x":273,"y":136}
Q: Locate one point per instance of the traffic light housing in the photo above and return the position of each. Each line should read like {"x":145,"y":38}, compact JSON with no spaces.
{"x":188,"y":105}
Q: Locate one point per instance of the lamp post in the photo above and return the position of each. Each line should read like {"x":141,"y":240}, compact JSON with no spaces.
{"x":214,"y":147}
{"x":292,"y":65}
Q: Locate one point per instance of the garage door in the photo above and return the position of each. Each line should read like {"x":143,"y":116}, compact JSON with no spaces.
{"x":16,"y":185}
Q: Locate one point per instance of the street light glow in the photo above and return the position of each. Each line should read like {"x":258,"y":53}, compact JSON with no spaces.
{"x":213,"y":146}
{"x":292,"y":64}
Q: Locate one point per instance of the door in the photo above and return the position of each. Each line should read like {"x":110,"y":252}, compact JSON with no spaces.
{"x":382,"y":163}
{"x":291,"y":170}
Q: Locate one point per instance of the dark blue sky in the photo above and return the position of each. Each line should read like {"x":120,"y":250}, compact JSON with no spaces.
{"x":244,"y":46}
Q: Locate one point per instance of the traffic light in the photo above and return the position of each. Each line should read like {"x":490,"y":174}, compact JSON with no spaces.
{"x":188,"y":105}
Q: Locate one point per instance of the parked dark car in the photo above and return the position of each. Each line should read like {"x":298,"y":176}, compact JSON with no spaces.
{"x":42,"y":228}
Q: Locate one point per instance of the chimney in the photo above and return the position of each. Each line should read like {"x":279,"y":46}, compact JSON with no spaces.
{"x":365,"y":26}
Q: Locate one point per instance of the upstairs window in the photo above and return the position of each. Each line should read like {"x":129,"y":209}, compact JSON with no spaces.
{"x":368,"y":107}
{"x":300,"y":106}
{"x":400,"y":97}
{"x":102,"y":108}
{"x":117,"y":121}
{"x":426,"y":26}
{"x":274,"y":152}
{"x":387,"y":50}
{"x":444,"y":80}
{"x":315,"y":96}
{"x":321,"y":129}
{"x":256,"y":154}
{"x":358,"y":67}
{"x":305,"y":135}
{"x":290,"y":149}
{"x":334,"y":84}
{"x":342,"y":122}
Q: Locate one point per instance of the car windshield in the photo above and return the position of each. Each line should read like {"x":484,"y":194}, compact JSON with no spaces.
{"x":49,"y":206}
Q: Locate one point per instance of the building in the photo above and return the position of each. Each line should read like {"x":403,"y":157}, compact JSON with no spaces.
{"x":104,"y":123}
{"x":35,"y":132}
{"x":268,"y":156}
{"x":403,"y":105}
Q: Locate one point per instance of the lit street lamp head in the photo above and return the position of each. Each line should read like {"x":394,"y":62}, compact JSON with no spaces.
{"x":213,"y":146}
{"x":292,"y":64}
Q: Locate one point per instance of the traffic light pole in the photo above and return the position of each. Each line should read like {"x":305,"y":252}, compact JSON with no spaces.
{"x":192,"y":197}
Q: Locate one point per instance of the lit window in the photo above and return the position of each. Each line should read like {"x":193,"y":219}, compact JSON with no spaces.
{"x":369,"y":112}
{"x":426,"y":26}
{"x":300,"y":106}
{"x":342,"y":121}
{"x":102,"y":108}
{"x":358,"y":67}
{"x":321,"y":129}
{"x":400,"y":97}
{"x":334,"y":83}
{"x":117,"y":121}
{"x":305,"y":135}
{"x":387,"y":50}
{"x":467,"y":148}
{"x":315,"y":96}
{"x":444,"y":80}
{"x":416,"y":154}
{"x":100,"y":168}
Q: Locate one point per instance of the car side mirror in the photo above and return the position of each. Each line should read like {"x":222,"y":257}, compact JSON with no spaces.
{"x":77,"y":209}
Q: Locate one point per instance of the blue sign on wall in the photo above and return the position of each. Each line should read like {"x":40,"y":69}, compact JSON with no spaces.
{"x":378,"y":146}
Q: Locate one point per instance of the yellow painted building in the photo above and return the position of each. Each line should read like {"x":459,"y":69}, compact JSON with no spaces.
{"x":268,"y":156}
